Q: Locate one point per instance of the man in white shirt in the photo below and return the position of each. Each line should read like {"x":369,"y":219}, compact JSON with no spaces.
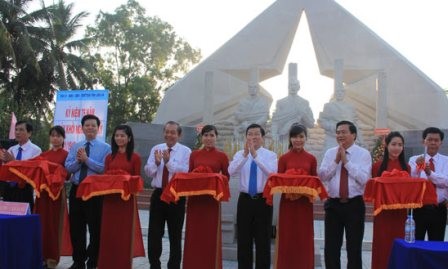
{"x":345,"y":170}
{"x":431,"y":219}
{"x":254,"y":216}
{"x":164,"y":160}
{"x":24,"y":150}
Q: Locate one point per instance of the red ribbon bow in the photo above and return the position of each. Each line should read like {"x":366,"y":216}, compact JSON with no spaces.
{"x":116,"y":172}
{"x":395,"y":173}
{"x":202,"y":169}
{"x":296,"y":171}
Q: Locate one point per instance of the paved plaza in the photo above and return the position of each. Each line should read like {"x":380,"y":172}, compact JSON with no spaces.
{"x":142,"y":262}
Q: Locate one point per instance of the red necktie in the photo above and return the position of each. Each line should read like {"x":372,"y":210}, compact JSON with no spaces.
{"x":431,"y":164}
{"x":165,"y":173}
{"x":343,"y":184}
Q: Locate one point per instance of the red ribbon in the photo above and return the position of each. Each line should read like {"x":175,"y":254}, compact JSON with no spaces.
{"x":421,"y":166}
{"x":202,"y":169}
{"x":296,"y":171}
{"x":395,"y":173}
{"x":117,"y":172}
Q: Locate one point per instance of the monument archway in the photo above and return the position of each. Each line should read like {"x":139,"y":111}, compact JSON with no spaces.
{"x":336,"y":34}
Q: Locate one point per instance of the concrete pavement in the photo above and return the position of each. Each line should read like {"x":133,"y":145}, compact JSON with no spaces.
{"x":142,"y":262}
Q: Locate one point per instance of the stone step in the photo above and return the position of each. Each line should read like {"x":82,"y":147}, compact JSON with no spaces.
{"x":229,"y":252}
{"x":144,"y":199}
{"x":319,"y":212}
{"x":227,"y":218}
{"x":227,"y":226}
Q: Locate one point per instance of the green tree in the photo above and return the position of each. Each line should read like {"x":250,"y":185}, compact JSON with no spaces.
{"x":37,"y":56}
{"x":72,"y":71}
{"x":25,"y":77}
{"x":145,"y":56}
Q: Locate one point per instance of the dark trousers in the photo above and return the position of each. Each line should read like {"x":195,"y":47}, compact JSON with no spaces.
{"x":173,"y":214}
{"x":83,"y":214}
{"x":430,"y":219}
{"x":16,"y":194}
{"x":340,"y":217}
{"x":254,"y":223}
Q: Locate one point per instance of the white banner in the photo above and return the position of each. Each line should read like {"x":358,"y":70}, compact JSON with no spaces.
{"x":71,"y":106}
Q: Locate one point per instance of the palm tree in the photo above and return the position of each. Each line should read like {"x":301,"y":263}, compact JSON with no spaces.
{"x":37,"y":56}
{"x":20,"y":72}
{"x":72,"y":70}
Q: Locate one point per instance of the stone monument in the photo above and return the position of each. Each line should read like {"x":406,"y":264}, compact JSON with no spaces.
{"x":336,"y":110}
{"x":291,"y":109}
{"x":252,"y":109}
{"x":265,"y":43}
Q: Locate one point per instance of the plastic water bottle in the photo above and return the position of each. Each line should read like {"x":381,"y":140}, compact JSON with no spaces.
{"x":409,"y":229}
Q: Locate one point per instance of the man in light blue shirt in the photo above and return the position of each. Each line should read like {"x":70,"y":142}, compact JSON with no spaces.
{"x":85,"y":158}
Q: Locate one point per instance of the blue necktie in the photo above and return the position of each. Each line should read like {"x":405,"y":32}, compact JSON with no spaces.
{"x":253,"y":179}
{"x":18,"y":158}
{"x":19,"y":154}
{"x":84,"y":168}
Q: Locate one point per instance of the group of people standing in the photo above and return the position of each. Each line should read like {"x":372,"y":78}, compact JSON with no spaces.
{"x":345,"y":170}
{"x":87,"y":157}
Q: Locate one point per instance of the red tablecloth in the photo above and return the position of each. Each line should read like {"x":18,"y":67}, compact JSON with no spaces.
{"x":39,"y":173}
{"x":395,"y":191}
{"x":191,"y":184}
{"x":306,"y":185}
{"x":97,"y":185}
{"x":392,"y":194}
{"x":202,"y":248}
{"x":49,"y":177}
{"x":295,"y":225}
{"x":117,"y":246}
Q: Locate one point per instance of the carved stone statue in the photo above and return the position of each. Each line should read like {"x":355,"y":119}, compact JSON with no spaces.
{"x":291,"y":109}
{"x":252,"y":109}
{"x":335,"y":111}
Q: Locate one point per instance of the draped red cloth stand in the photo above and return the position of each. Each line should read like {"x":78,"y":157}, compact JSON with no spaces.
{"x":295,"y":231}
{"x":392,"y":194}
{"x":47,"y":179}
{"x":205,"y":191}
{"x":121,"y":237}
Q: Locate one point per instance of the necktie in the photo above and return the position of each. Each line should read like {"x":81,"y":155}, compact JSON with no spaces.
{"x":253,"y":179}
{"x":343,"y":184}
{"x":165,"y":173}
{"x":84,"y":168}
{"x":18,"y":158}
{"x":431,"y":164}
{"x":19,"y":154}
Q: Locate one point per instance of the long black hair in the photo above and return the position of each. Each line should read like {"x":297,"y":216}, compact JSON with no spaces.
{"x":295,"y":130}
{"x":129,"y":146}
{"x":383,"y":166}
